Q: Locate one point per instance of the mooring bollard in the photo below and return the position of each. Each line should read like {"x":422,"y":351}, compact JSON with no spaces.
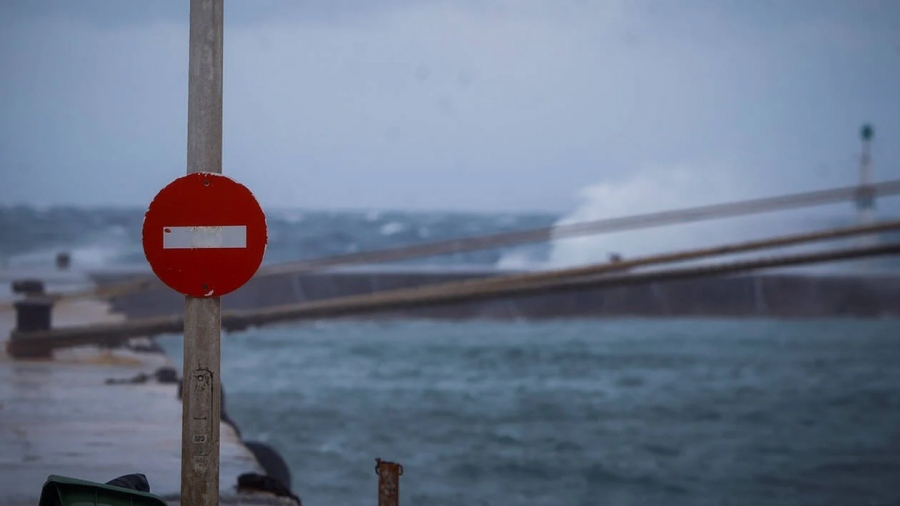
{"x":389,"y":474}
{"x":63,"y":260}
{"x":33,"y":314}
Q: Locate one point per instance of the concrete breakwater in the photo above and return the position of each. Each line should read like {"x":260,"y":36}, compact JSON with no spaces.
{"x":769,"y":295}
{"x":97,"y":413}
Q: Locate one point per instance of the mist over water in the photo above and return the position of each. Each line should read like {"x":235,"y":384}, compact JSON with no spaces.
{"x":679,"y":188}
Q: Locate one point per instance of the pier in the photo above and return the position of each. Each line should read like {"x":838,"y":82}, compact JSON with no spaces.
{"x":87,"y":413}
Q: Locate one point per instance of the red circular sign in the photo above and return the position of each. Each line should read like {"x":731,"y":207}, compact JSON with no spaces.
{"x":204,"y":235}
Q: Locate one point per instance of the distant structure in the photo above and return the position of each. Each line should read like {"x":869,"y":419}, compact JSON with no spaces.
{"x":865,"y":199}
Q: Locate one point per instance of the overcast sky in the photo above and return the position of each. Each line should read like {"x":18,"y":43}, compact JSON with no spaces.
{"x":439,"y":104}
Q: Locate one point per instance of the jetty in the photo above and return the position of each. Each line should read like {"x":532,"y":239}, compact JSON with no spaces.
{"x":96,"y":413}
{"x":757,"y":295}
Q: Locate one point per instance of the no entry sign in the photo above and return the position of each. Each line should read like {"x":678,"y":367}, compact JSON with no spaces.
{"x":204,"y":235}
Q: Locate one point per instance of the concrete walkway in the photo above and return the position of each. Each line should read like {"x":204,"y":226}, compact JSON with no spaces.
{"x":60,"y":417}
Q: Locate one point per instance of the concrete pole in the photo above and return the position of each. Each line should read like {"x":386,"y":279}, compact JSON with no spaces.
{"x":201,"y":403}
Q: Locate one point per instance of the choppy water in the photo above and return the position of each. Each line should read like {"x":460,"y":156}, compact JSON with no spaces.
{"x":100,"y":238}
{"x":577,"y":412}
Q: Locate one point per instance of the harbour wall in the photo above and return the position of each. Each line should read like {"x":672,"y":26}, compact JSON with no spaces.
{"x":765,"y":296}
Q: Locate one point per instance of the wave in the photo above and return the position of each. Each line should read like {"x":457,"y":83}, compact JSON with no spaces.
{"x":84,"y":257}
{"x":101,"y":238}
{"x":661,"y":190}
{"x":393,"y":228}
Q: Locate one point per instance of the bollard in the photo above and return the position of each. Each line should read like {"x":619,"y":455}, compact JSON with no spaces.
{"x":32,"y":315}
{"x":63,"y":260}
{"x":389,"y":474}
{"x":28,"y":287}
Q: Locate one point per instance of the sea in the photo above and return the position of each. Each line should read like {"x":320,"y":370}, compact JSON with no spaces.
{"x":562,"y":412}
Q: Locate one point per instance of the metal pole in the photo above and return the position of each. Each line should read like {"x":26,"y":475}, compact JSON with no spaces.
{"x":866,"y":198}
{"x":201,"y":403}
{"x":865,"y":202}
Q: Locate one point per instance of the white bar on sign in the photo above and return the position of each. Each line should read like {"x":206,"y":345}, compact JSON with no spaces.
{"x":204,"y":237}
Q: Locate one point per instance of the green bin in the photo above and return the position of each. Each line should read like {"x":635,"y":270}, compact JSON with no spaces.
{"x":62,"y":491}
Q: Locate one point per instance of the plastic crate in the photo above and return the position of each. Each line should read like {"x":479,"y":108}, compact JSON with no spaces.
{"x":63,"y":491}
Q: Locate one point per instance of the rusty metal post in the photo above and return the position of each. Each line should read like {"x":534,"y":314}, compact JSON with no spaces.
{"x":201,"y":401}
{"x":389,"y":474}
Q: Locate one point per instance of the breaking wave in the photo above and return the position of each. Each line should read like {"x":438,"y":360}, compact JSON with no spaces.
{"x":662,"y":190}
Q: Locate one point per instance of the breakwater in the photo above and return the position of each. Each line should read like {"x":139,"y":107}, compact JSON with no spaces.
{"x":758,"y":295}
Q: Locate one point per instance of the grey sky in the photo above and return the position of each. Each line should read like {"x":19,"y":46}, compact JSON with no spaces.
{"x":432,"y":104}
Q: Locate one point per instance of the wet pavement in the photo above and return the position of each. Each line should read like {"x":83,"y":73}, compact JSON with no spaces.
{"x":60,"y":417}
